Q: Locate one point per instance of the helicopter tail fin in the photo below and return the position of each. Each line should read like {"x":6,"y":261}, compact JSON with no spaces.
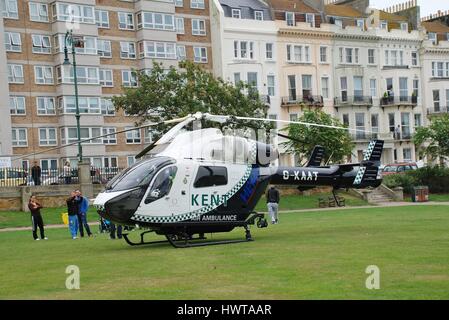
{"x":316,"y":157}
{"x":368,"y":173}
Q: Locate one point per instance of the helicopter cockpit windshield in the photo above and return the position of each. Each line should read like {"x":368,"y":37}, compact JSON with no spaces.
{"x":138,"y":175}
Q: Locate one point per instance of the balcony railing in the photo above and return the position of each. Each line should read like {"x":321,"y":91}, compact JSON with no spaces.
{"x":398,"y":100}
{"x":307,"y":100}
{"x":387,"y":136}
{"x":438,"y":111}
{"x":355,"y":100}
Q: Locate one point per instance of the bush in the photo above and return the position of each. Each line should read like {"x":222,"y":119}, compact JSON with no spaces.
{"x":436,"y":178}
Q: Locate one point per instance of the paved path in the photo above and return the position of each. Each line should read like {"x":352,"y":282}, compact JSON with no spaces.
{"x":379,"y":205}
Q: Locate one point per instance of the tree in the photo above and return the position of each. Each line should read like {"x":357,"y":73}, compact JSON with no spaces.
{"x":186,"y":90}
{"x":337,"y":143}
{"x":433,"y":141}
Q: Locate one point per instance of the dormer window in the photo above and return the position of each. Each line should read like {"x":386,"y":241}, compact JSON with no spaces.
{"x":384,"y":25}
{"x":236,"y":13}
{"x":290,"y":18}
{"x":258,"y":15}
{"x":338,"y":22}
{"x":360,"y":24}
{"x":404,"y":26}
{"x":432,"y":37}
{"x":310,"y":18}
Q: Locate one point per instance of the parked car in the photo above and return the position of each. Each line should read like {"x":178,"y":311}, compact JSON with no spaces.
{"x":399,"y":168}
{"x":11,"y":177}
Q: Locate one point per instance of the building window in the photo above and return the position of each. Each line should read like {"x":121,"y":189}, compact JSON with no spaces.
{"x":358,"y":88}
{"x":325,"y":87}
{"x":432,"y":37}
{"x":47,"y":137}
{"x":371,"y":56}
{"x":269,"y":51}
{"x":181,"y":52}
{"x":310,"y":19}
{"x":89,"y":45}
{"x":252,"y":81}
{"x":129,"y":78}
{"x":154,"y":20}
{"x":345,"y":119}
{"x":440,"y":69}
{"x":236,"y":13}
{"x":291,"y":87}
{"x":9,"y":9}
{"x":403,"y":89}
{"x":338,"y":22}
{"x":19,"y":137}
{"x":418,"y":121}
{"x":133,"y":136}
{"x":106,"y":78}
{"x":200,"y":54}
{"x":237,"y":78}
{"x":179,"y":3}
{"x":41,"y":43}
{"x":271,"y":85}
{"x":394,"y":58}
{"x":360,"y":24}
{"x":73,"y":12}
{"x":17,"y":105}
{"x":49,"y":166}
{"x":373,"y":87}
{"x":45,"y":105}
{"x":70,"y":134}
{"x":384,"y":25}
{"x":15,"y":73}
{"x":447,"y":99}
{"x":405,"y":125}
{"x":258,"y":15}
{"x":375,"y":123}
{"x":243,"y":50}
{"x":127,"y":50}
{"x":87,"y":105}
{"x":436,"y":100}
{"x":416,"y":88}
{"x":414,"y":58}
{"x":197,"y":4}
{"x":13,"y":42}
{"x":360,"y":125}
{"x":306,"y":85}
{"x":107,"y":107}
{"x":323,"y":54}
{"x":131,"y":160}
{"x":85,"y":75}
{"x":125,"y":21}
{"x":104,"y":48}
{"x":148,"y":135}
{"x":344,"y":88}
{"x":111,"y":137}
{"x":198,"y":27}
{"x":179,"y":25}
{"x":298,"y":54}
{"x":43,"y":74}
{"x":38,"y":12}
{"x":102,"y":18}
{"x":404,"y":26}
{"x":161,"y":50}
{"x":290,"y":18}
{"x":407,"y":154}
{"x":349,"y":55}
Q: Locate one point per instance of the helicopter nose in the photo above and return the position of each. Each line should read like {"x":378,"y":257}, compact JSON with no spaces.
{"x":120,"y":207}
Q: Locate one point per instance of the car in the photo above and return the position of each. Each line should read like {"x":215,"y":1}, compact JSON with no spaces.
{"x":396,"y":168}
{"x":12,"y":177}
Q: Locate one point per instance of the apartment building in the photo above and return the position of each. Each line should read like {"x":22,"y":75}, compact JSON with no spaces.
{"x":119,"y":37}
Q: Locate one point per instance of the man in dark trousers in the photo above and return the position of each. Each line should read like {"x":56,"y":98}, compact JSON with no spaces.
{"x":82,"y":214}
{"x":113,"y":227}
{"x":36,"y":174}
{"x":273,"y":203}
{"x":73,"y":210}
{"x":36,"y":218}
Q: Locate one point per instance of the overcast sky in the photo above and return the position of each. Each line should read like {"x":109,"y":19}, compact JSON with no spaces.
{"x":427,"y":6}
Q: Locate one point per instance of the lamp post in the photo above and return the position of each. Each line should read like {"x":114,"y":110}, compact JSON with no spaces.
{"x":74,"y":43}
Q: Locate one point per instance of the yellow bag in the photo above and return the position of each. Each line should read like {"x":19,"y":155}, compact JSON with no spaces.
{"x":65,"y":218}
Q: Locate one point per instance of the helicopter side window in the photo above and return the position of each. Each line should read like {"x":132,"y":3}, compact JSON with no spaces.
{"x":162,"y":184}
{"x":211,"y":176}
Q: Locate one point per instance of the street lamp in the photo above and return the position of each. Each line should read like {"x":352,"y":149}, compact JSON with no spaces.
{"x":69,"y":39}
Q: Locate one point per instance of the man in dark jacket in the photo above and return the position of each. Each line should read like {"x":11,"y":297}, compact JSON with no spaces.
{"x":273,"y":203}
{"x":73,"y":209}
{"x":36,"y":174}
{"x":36,"y":218}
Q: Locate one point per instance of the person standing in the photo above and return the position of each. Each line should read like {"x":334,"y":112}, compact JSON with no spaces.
{"x":36,"y":174}
{"x":82,"y":214}
{"x":36,"y":218}
{"x":73,"y":209}
{"x":273,"y":204}
{"x":67,"y":173}
{"x":112,"y":228}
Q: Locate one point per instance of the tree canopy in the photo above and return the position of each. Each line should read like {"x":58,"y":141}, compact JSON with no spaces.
{"x":163,"y":95}
{"x":433,"y":141}
{"x":337,"y":143}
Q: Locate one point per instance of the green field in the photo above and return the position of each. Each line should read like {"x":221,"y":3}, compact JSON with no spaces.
{"x":315,"y":255}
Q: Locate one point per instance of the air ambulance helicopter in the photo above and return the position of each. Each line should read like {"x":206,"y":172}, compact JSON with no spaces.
{"x":203,"y":181}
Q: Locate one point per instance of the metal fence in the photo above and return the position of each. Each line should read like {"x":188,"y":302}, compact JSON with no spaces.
{"x":15,"y":177}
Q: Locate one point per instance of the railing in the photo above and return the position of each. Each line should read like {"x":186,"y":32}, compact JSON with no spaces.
{"x":398,"y":100}
{"x":103,"y":175}
{"x":366,"y":136}
{"x":355,"y":100}
{"x":438,"y":111}
{"x":14,"y":177}
{"x":307,"y":100}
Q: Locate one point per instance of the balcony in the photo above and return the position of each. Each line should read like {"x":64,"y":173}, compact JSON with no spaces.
{"x":310,"y":101}
{"x":386,"y":136}
{"x":393,"y":101}
{"x":437,"y":111}
{"x":353,"y":101}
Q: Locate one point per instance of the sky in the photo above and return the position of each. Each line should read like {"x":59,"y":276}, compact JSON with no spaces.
{"x":427,"y":6}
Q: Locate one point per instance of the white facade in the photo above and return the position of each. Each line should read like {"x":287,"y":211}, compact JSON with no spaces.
{"x":5,"y":120}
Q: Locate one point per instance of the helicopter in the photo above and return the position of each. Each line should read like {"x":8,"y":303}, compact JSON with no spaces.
{"x":205,"y":181}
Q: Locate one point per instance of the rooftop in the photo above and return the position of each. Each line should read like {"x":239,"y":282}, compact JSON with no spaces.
{"x":342,"y":11}
{"x":291,"y":5}
{"x":435,"y":26}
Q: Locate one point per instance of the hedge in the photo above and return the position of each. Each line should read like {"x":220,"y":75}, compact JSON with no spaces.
{"x":436,"y":178}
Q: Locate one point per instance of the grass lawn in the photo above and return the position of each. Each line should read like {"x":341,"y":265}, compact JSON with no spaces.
{"x":10,"y":219}
{"x":315,"y":255}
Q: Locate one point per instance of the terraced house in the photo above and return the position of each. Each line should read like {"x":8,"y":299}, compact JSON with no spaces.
{"x":119,"y":37}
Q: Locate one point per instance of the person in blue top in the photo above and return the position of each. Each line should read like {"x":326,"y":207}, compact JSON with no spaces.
{"x":82,"y":214}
